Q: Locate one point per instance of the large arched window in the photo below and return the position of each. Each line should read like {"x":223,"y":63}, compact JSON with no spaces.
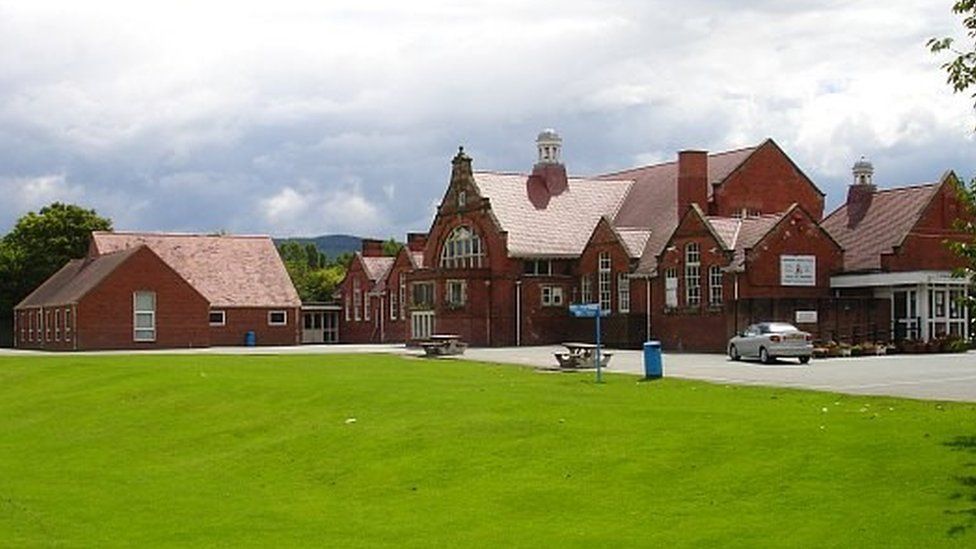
{"x":462,"y":249}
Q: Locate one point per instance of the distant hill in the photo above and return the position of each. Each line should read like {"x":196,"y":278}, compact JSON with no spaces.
{"x":331,"y":245}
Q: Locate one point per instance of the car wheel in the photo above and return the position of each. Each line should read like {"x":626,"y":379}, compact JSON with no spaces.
{"x":734,"y":353}
{"x":764,"y":356}
{"x":804,"y":359}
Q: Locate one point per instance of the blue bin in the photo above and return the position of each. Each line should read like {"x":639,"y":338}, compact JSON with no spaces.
{"x":653,"y":367}
{"x":250,"y":339}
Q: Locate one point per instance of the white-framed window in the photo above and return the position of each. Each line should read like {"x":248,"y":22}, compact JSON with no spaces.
{"x":462,"y":249}
{"x":604,"y":281}
{"x":623,"y":293}
{"x":585,"y":295}
{"x":345,"y":305}
{"x":277,"y":318}
{"x":552,"y":296}
{"x":394,"y":302}
{"x":218,"y":318}
{"x":40,"y":325}
{"x":692,"y":275}
{"x":67,"y":324}
{"x":30,"y":326}
{"x":144,"y":316}
{"x":462,"y":198}
{"x":23,"y":330}
{"x":357,"y":300}
{"x":57,"y":325}
{"x":403,"y":299}
{"x":537,"y":267}
{"x":456,"y":293}
{"x":423,"y":294}
{"x":47,"y":325}
{"x":367,"y":303}
{"x":714,"y":285}
{"x":671,"y":287}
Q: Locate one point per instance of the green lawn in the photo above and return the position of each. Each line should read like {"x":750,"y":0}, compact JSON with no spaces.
{"x":346,"y":451}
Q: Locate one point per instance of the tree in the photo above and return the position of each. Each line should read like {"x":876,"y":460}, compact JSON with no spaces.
{"x":314,"y":277}
{"x":40,"y":244}
{"x":391,"y":247}
{"x":961,"y":71}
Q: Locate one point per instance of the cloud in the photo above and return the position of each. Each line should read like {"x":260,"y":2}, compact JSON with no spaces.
{"x":303,"y":117}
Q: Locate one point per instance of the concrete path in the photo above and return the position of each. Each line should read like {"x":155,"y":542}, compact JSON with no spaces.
{"x":937,"y":377}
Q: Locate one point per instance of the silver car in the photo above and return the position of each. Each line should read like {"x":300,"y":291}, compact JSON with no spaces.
{"x":770,"y":340}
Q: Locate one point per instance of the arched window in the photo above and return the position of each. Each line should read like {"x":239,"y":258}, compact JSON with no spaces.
{"x":462,"y":249}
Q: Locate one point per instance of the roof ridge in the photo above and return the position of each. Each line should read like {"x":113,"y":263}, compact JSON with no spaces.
{"x":661,"y":164}
{"x":180,"y":234}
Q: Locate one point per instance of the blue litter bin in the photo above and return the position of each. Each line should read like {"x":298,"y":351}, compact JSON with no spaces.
{"x":250,"y":339}
{"x":653,"y":367}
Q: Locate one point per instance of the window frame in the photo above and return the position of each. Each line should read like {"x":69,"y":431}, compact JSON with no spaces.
{"x":223,"y":317}
{"x":462,"y":249}
{"x":623,"y":292}
{"x":284,"y":316}
{"x":715,"y":286}
{"x":552,"y":295}
{"x":136,"y":312}
{"x":604,"y":282}
{"x":452,"y":284}
{"x":692,"y":274}
{"x":671,"y":293}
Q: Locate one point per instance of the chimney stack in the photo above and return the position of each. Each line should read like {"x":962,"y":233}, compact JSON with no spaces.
{"x":372,"y":247}
{"x":549,"y":169}
{"x":416,"y":241}
{"x":692,"y":180}
{"x":861,"y":192}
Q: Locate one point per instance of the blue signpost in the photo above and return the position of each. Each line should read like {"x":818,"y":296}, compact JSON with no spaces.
{"x":591,"y":310}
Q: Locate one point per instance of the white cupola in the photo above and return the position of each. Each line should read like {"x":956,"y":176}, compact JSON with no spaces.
{"x":863,"y":172}
{"x":550,"y":146}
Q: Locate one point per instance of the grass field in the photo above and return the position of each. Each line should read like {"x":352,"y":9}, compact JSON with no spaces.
{"x":348,"y":451}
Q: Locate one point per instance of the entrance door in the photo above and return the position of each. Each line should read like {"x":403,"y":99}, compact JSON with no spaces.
{"x":331,"y":331}
{"x":421,"y":324}
{"x":312,"y":331}
{"x":904,"y":315}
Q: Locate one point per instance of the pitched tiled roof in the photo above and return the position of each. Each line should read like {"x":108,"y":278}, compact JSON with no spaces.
{"x":75,"y":279}
{"x":653,"y":199}
{"x":376,"y":267}
{"x":740,"y":235}
{"x":550,"y":225}
{"x":230,"y":271}
{"x":891,"y":215}
{"x":634,"y":240}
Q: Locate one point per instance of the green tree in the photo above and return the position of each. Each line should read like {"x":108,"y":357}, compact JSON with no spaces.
{"x":961,"y":75}
{"x":391,"y":247}
{"x":314,"y":277}
{"x":41,"y":243}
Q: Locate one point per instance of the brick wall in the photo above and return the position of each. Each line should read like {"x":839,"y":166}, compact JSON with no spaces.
{"x":240,"y":320}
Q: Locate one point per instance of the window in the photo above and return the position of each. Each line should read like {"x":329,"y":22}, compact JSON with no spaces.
{"x":462,"y":198}
{"x":692,"y":275}
{"x":144,"y":312}
{"x":218,"y":318}
{"x":604,"y":281}
{"x":20,"y":322}
{"x":403,"y":299}
{"x":715,"y":285}
{"x":40,"y":325}
{"x":537,"y":267}
{"x":423,"y":295}
{"x":394,"y":304}
{"x":47,"y":325}
{"x":421,"y":324}
{"x":366,"y":306}
{"x":623,"y":293}
{"x":57,"y":325}
{"x":277,"y":318}
{"x":671,"y":288}
{"x":345,"y":304}
{"x":67,"y":324}
{"x":462,"y":249}
{"x":552,"y":296}
{"x":357,"y":300}
{"x":30,"y":327}
{"x":455,"y":294}
{"x":585,"y":289}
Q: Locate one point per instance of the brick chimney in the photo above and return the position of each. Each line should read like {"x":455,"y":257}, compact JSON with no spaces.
{"x":860,"y":193}
{"x":549,"y":169}
{"x":692,"y":180}
{"x":416,"y":241}
{"x":372,"y":247}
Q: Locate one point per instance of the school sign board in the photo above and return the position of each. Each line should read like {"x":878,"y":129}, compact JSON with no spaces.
{"x":798,"y":270}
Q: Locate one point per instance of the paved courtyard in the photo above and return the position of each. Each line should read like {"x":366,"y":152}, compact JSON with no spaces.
{"x":941,"y":377}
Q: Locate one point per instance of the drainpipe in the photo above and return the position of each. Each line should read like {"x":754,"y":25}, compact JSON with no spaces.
{"x":488,"y":314}
{"x":647,"y":284}
{"x":518,"y":313}
{"x":380,"y":315}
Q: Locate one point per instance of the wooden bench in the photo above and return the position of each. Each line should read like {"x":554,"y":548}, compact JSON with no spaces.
{"x":581,"y":355}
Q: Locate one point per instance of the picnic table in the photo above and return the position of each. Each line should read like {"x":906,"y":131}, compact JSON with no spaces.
{"x":443,"y":345}
{"x":581,"y":355}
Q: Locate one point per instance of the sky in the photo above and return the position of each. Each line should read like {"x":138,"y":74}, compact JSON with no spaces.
{"x":307,"y":118}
